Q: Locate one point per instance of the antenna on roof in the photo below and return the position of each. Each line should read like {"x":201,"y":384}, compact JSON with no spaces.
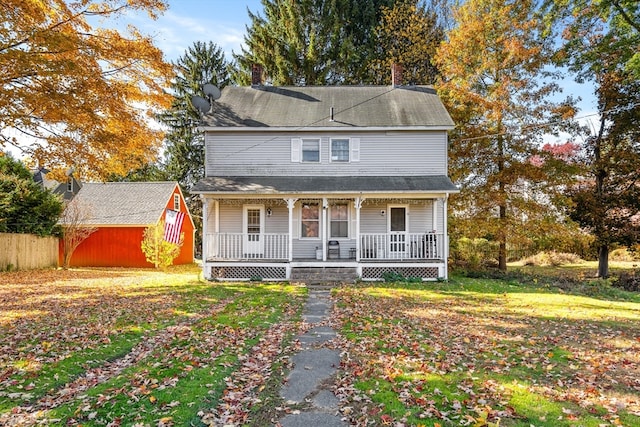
{"x":200,"y":103}
{"x":211,"y":91}
{"x":204,"y":104}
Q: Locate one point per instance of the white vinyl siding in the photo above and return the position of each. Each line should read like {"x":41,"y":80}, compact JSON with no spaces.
{"x":372,"y":154}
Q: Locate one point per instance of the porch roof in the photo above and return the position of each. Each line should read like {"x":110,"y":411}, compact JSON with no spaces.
{"x":263,"y":185}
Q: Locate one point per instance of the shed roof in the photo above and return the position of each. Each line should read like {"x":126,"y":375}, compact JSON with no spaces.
{"x":126,"y":203}
{"x":266,"y":107}
{"x":324,"y":185}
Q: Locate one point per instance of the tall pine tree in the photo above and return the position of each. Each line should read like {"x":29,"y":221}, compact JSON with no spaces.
{"x":202,"y":63}
{"x":312,"y":42}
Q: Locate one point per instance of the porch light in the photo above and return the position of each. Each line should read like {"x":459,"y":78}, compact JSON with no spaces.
{"x":269,"y":211}
{"x":383,"y":212}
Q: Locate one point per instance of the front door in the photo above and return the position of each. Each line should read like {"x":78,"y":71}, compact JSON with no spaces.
{"x":397,"y":231}
{"x":253,"y":235}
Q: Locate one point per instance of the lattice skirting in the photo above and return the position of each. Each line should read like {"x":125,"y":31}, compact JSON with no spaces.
{"x":249,"y":273}
{"x":376,"y":273}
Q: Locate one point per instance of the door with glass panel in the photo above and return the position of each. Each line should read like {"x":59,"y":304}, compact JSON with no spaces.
{"x":253,"y":235}
{"x":397,"y":231}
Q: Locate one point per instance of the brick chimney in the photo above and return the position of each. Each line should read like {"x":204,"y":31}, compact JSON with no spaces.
{"x":396,"y":75}
{"x":256,"y":75}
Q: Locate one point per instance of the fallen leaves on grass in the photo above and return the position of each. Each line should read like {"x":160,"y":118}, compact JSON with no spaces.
{"x":461,"y":359}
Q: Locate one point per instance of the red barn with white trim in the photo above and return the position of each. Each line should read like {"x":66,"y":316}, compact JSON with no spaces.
{"x":121,"y":211}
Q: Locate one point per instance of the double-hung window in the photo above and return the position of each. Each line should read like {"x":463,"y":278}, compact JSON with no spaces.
{"x":340,"y":149}
{"x":310,"y":150}
{"x":339,"y":220}
{"x":310,"y":220}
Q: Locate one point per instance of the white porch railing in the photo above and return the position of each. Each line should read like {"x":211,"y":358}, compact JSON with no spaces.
{"x":405,"y":246}
{"x":381,"y":246}
{"x":235,"y":246}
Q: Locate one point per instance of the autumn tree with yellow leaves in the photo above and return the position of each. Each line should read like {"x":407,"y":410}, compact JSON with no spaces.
{"x":79,"y":95}
{"x":498,"y":84}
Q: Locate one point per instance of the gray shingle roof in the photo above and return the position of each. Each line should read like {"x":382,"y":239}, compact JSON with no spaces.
{"x":324,"y":184}
{"x":126,"y":203}
{"x":310,"y":106}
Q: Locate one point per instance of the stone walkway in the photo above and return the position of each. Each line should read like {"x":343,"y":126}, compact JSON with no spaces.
{"x":308,"y":384}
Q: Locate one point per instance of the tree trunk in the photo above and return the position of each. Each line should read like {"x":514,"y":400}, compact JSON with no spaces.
{"x":502,"y":256}
{"x":603,"y":261}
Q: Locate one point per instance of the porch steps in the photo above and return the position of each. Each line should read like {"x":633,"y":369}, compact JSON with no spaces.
{"x":312,"y":275}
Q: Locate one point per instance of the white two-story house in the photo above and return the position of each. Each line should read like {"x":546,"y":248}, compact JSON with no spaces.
{"x":349,"y":177}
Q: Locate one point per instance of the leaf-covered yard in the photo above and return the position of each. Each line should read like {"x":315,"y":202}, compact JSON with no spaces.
{"x":146,"y":348}
{"x":486,"y":353}
{"x":137,"y":347}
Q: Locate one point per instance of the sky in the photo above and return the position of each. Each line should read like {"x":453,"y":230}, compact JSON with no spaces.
{"x":187,"y":21}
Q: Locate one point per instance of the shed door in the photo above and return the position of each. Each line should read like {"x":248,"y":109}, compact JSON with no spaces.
{"x":253,"y":236}
{"x":397,"y":231}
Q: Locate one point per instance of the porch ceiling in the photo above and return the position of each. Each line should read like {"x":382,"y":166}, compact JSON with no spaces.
{"x":324,"y":184}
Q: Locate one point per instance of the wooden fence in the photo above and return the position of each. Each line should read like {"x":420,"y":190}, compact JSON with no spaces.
{"x":27,"y":251}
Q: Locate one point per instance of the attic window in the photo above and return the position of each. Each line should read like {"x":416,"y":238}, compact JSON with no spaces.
{"x":176,"y":202}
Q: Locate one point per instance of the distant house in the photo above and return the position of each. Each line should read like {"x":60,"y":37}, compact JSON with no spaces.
{"x":121,"y":211}
{"x":344,"y":178}
{"x":67,"y":190}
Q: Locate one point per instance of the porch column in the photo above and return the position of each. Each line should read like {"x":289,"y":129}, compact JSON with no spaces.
{"x":434,"y":209}
{"x":446,"y":237}
{"x":325,"y":231}
{"x":205,"y":215}
{"x":358,"y":205}
{"x":290,"y":204}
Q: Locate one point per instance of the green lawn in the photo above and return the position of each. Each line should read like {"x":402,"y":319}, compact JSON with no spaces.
{"x":136,"y":347}
{"x":114,"y":347}
{"x":486,"y":352}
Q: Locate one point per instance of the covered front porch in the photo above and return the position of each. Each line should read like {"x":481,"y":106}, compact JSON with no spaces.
{"x":267,"y":238}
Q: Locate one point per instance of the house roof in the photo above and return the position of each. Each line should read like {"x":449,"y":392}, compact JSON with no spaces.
{"x":125,"y":203}
{"x":266,"y":185}
{"x":263,"y":107}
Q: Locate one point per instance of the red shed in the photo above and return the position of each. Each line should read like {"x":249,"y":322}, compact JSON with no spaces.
{"x":121,"y":211}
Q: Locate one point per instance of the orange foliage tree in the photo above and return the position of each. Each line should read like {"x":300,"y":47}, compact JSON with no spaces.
{"x":80,"y":95}
{"x":495,"y":83}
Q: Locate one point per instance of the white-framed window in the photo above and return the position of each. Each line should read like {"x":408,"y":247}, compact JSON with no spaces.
{"x":310,"y":220}
{"x":339,"y":220}
{"x":340,"y":149}
{"x":176,"y":202}
{"x":305,"y":150}
{"x":310,"y":150}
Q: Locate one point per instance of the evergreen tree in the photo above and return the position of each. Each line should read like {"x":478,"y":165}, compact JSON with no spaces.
{"x":202,"y":63}
{"x":25,"y":206}
{"x":409,"y":34}
{"x":312,"y":42}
